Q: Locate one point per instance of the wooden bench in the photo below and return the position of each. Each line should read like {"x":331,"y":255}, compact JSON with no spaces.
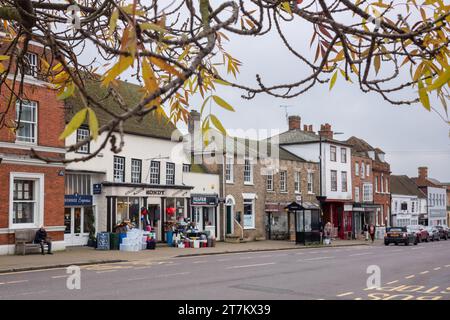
{"x":24,"y":241}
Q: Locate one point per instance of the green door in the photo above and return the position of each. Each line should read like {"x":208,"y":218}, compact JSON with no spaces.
{"x":229,"y":219}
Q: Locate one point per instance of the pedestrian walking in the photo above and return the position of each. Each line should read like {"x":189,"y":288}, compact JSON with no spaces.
{"x":366,"y":232}
{"x":372,"y":232}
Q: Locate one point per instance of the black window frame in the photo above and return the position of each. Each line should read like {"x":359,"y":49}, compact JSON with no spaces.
{"x":187,"y":165}
{"x":335,"y":153}
{"x":84,"y":127}
{"x":167,"y":167}
{"x":140,"y":170}
{"x":124,"y":168}
{"x":159,"y":171}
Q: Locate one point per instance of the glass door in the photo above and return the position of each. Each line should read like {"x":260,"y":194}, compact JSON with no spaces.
{"x":76,"y":232}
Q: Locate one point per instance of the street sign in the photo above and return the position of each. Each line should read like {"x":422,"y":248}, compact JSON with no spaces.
{"x":97,"y":189}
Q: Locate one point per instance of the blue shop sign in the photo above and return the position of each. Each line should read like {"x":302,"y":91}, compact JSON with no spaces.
{"x":77,"y":200}
{"x":97,"y":189}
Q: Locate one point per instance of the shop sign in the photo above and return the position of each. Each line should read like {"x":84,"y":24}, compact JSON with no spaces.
{"x":155,"y":192}
{"x":203,"y":201}
{"x":97,"y":188}
{"x":77,"y":200}
{"x":348,"y":207}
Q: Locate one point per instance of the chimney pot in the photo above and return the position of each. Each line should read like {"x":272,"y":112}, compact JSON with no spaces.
{"x":423,"y":172}
{"x":294,"y":122}
{"x":325,"y":131}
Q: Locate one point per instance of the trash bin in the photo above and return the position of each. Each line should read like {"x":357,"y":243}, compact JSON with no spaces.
{"x":114,"y":241}
{"x":169,"y":238}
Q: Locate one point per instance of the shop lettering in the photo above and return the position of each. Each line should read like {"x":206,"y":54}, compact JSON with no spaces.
{"x":134,"y":191}
{"x":155,"y":192}
{"x":187,"y":310}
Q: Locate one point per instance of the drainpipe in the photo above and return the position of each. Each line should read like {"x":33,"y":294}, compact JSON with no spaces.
{"x":223,"y":197}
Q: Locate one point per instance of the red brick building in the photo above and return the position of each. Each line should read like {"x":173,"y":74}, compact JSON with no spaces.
{"x":31,"y":190}
{"x":371,"y":194}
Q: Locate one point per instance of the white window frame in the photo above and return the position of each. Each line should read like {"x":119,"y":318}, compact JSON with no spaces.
{"x":343,"y":155}
{"x":387,"y":185}
{"x":248,"y":166}
{"x":357,"y":195}
{"x":297,"y":182}
{"x":356,"y":168}
{"x":368,"y":170}
{"x":283,"y":181}
{"x":154,"y":172}
{"x":82,"y":134}
{"x":310,"y":178}
{"x":170,"y":166}
{"x":376,"y":183}
{"x":33,"y":64}
{"x":344,"y":174}
{"x":252,"y":226}
{"x":382,"y":183}
{"x":333,"y":148}
{"x":363,"y":170}
{"x":27,"y":104}
{"x":134,"y":172}
{"x":229,"y":166}
{"x":367,"y":196}
{"x":269,"y":181}
{"x":39,"y":204}
{"x":331,"y":181}
{"x":115,"y":177}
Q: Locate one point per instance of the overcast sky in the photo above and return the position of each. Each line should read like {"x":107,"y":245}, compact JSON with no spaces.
{"x":410,"y":135}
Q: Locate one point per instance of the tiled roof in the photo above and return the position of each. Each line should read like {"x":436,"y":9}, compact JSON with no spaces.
{"x":150,"y":125}
{"x":405,"y":186}
{"x":300,"y":136}
{"x":360,"y":147}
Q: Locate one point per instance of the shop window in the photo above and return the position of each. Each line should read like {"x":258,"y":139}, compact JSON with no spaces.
{"x":27,"y":119}
{"x":89,"y":219}
{"x":77,"y":183}
{"x":119,"y":169}
{"x":134,"y":211}
{"x":122,"y":209}
{"x":154,"y":172}
{"x":83,"y":134}
{"x":24,"y":202}
{"x":170,"y":173}
{"x":249,"y":214}
{"x":208,"y":216}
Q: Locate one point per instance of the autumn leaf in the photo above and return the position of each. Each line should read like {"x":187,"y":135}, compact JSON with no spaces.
{"x":441,"y":80}
{"x":165,"y":66}
{"x":333,"y":80}
{"x":74,"y":124}
{"x":423,"y":96}
{"x":216,"y":122}
{"x":222,"y":103}
{"x":377,"y":63}
{"x":66,"y":91}
{"x":93,"y":123}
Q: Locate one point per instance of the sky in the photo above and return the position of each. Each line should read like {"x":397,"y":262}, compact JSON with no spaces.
{"x":410,"y":135}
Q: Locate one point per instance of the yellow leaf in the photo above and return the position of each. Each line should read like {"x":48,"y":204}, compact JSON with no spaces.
{"x":423,"y":96}
{"x":67,"y":91}
{"x":113,"y":21}
{"x":222,"y":82}
{"x":443,"y":78}
{"x":333,"y":80}
{"x":123,"y":64}
{"x":74,"y":124}
{"x":286,"y":7}
{"x":222,"y":103}
{"x":152,"y":26}
{"x":150,"y":81}
{"x":216,"y":122}
{"x":2,"y":57}
{"x":377,"y":63}
{"x":93,"y":123}
{"x":164,"y":66}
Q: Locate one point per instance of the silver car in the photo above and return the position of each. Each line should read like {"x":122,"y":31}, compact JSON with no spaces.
{"x":433,"y":233}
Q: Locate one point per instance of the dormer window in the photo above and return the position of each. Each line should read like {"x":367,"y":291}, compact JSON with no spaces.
{"x":31,"y":64}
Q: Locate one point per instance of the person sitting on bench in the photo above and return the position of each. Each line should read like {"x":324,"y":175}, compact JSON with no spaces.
{"x":42,"y":238}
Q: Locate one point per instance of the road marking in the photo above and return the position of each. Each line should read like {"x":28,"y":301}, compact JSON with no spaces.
{"x":172,"y":274}
{"x":423,"y":272}
{"x":392,"y":282}
{"x":318,"y":258}
{"x":299,"y":253}
{"x":139,"y":268}
{"x":447,"y":265}
{"x":345,"y":294}
{"x":251,"y":265}
{"x":33,"y":292}
{"x":245,"y":258}
{"x":106,"y":271}
{"x":438,"y":268}
{"x":57,"y":277}
{"x":359,"y":254}
{"x":358,"y":299}
{"x":220,"y":260}
{"x":199,"y":261}
{"x":409,"y":277}
{"x":18,"y":281}
{"x":417,"y":248}
{"x":269,"y":255}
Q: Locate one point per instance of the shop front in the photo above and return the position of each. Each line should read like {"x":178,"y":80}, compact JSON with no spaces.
{"x":307,"y":222}
{"x":79,"y":219}
{"x":340,"y":215}
{"x":278,"y":221}
{"x":204,"y":212}
{"x":145,"y":206}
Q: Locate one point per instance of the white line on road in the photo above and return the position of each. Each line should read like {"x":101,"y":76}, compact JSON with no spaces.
{"x":200,"y":262}
{"x":106,"y":271}
{"x":409,"y":277}
{"x":220,"y":260}
{"x":424,"y":272}
{"x":18,"y":281}
{"x":314,"y":259}
{"x":438,"y":268}
{"x":251,"y":265}
{"x":447,"y":265}
{"x":392,"y":282}
{"x":269,"y":255}
{"x":359,"y":254}
{"x":417,"y":248}
{"x":358,"y":299}
{"x":172,"y":274}
{"x":57,"y":277}
{"x":344,"y":294}
{"x":299,"y":253}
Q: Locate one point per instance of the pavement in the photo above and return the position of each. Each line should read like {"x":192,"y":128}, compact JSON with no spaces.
{"x":87,"y":255}
{"x":358,"y":272}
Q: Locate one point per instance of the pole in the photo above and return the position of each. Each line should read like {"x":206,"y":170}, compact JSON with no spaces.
{"x":304,"y":229}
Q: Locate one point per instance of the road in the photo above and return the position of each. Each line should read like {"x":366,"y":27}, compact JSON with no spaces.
{"x":406,"y":273}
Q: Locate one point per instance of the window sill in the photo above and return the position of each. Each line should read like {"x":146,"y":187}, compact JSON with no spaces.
{"x":284,"y":192}
{"x":311,"y":192}
{"x":249,"y":228}
{"x":229,"y":182}
{"x":249,"y":184}
{"x":270,"y":191}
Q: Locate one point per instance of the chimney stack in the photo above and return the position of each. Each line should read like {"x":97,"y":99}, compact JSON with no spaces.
{"x":423,"y":173}
{"x":305,"y":127}
{"x":325,"y":131}
{"x":294,"y":122}
{"x":194,"y":120}
{"x":310,"y":128}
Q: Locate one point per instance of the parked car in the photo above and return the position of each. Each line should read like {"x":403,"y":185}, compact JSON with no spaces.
{"x":420,"y":231}
{"x":398,"y":235}
{"x":434,"y":233}
{"x":443,"y":232}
